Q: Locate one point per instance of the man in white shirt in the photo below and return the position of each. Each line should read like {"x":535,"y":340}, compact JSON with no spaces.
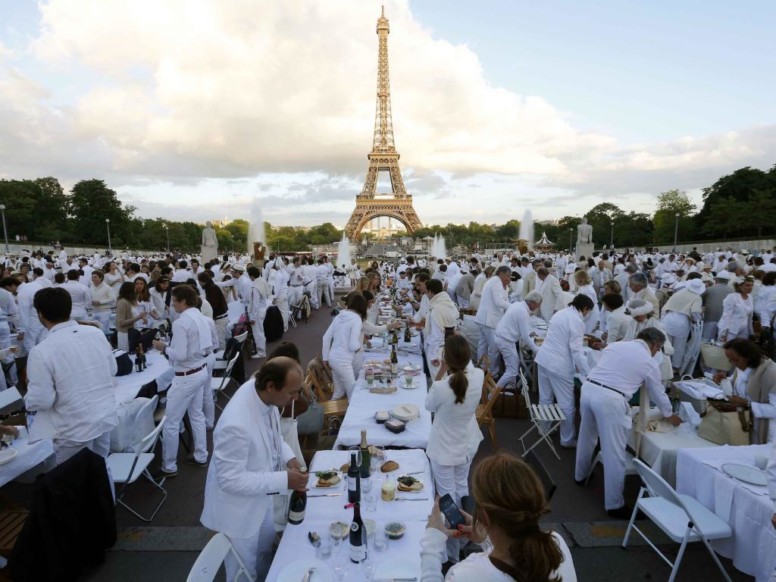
{"x":31,"y":330}
{"x":70,"y":376}
{"x":252,"y":463}
{"x":182,"y":274}
{"x":514,"y":326}
{"x":188,"y":352}
{"x":548,"y":286}
{"x":622,"y":369}
{"x":80,"y":296}
{"x":493,"y":304}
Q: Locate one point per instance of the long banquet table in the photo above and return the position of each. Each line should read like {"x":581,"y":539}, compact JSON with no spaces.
{"x":746,"y":508}
{"x":158,"y":369}
{"x":411,"y":508}
{"x":363,"y":405}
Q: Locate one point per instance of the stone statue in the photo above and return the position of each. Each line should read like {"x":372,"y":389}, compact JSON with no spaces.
{"x":209,"y":243}
{"x":584,"y":233}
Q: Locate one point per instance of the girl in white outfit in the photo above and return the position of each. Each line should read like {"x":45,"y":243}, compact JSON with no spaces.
{"x":585,"y":287}
{"x":509,"y":500}
{"x":455,"y":435}
{"x":737,"y":309}
{"x":341,"y":343}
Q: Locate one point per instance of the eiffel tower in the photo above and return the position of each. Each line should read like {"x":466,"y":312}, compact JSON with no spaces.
{"x":383,"y":158}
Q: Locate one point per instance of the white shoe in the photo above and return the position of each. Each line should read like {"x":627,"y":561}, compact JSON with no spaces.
{"x":258,"y":356}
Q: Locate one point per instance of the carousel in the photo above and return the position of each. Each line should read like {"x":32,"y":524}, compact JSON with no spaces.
{"x":544,"y":244}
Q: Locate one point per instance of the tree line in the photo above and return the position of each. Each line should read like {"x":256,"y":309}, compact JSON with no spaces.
{"x":741,"y":204}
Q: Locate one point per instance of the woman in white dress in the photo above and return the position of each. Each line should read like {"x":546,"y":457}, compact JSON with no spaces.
{"x":341,"y":343}
{"x":509,"y":501}
{"x":737,"y":309}
{"x":102,"y":300}
{"x":681,"y":310}
{"x":455,"y":435}
{"x":113,"y":277}
{"x":752,"y":386}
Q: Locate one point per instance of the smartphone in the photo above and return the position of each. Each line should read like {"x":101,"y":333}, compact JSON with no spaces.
{"x":451,"y":511}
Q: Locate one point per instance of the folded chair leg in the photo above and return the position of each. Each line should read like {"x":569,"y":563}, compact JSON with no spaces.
{"x":716,"y":559}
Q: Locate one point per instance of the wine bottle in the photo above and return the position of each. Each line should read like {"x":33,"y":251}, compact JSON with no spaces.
{"x":357,"y":536}
{"x":296,"y":507}
{"x":394,"y":361}
{"x":138,"y":358}
{"x":407,"y":334}
{"x":354,"y":487}
{"x":366,"y":460}
{"x":141,"y":356}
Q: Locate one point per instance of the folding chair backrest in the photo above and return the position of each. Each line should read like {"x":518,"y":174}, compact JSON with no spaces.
{"x":230,"y":365}
{"x":241,"y":338}
{"x":210,"y":559}
{"x":524,"y":389}
{"x":489,"y":386}
{"x":150,"y":439}
{"x":145,"y":417}
{"x":658,"y":487}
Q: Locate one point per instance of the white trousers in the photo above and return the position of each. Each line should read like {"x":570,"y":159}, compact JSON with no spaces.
{"x":281,"y":301}
{"x":710,"y":330}
{"x":561,"y":389}
{"x":344,"y":376}
{"x":313,"y":290}
{"x":605,"y":417}
{"x":64,"y":449}
{"x":295,"y":294}
{"x":485,"y":344}
{"x":221,"y":331}
{"x":323,"y":292}
{"x":508,"y":351}
{"x":677,"y":327}
{"x":452,"y":479}
{"x":255,"y":551}
{"x":258,"y":335}
{"x":185,"y":395}
{"x":104,"y":318}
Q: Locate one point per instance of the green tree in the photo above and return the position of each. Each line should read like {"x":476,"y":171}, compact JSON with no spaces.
{"x":760,"y":210}
{"x":669,"y":204}
{"x":89,"y":204}
{"x":725,"y":216}
{"x":600,"y":217}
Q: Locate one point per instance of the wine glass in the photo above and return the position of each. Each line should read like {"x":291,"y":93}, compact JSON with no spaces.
{"x":370,"y":378}
{"x":340,"y":570}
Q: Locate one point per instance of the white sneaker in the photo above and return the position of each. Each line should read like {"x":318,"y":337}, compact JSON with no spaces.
{"x":258,"y":356}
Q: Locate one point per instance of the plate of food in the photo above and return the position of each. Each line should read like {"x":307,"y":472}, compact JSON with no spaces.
{"x":408,"y":484}
{"x":405,"y":412}
{"x":394,"y":530}
{"x":327,"y":479}
{"x":411,"y":370}
{"x":339,"y":529}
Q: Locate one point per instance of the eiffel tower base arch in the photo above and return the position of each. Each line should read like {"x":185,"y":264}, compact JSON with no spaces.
{"x":368,"y":209}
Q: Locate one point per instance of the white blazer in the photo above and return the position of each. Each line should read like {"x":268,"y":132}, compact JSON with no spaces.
{"x":455,"y":431}
{"x":241,"y":478}
{"x":493,"y":304}
{"x":562,"y":349}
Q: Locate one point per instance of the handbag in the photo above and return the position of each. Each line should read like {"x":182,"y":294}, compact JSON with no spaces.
{"x":123,"y":363}
{"x":724,"y":424}
{"x":714,"y":357}
{"x":311,"y":420}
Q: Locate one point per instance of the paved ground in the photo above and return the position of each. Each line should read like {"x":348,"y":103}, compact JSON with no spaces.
{"x":166,"y":549}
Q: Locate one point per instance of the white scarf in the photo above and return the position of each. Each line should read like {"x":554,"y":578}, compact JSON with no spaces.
{"x":442,"y":310}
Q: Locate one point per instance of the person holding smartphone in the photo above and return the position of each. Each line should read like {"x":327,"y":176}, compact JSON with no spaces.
{"x":509,"y":501}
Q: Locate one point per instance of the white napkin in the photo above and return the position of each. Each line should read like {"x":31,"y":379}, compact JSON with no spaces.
{"x":688,"y":414}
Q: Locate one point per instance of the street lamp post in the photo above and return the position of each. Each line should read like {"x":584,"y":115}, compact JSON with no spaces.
{"x":5,"y":230}
{"x":571,"y":232}
{"x":107,"y":225}
{"x":676,"y":231}
{"x":611,"y":237}
{"x":167,"y":231}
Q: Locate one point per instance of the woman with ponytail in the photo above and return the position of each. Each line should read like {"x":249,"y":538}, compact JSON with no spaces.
{"x":455,"y":435}
{"x":509,"y":501}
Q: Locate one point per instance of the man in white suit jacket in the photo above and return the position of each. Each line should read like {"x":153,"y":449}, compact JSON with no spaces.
{"x":250,"y":463}
{"x":548,"y":286}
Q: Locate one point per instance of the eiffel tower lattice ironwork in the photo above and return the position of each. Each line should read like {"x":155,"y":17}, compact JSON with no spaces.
{"x":383,"y":158}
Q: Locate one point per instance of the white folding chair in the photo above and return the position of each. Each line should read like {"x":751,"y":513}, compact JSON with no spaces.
{"x":541,"y":415}
{"x":693,"y":349}
{"x":219,"y":384}
{"x":681,"y":517}
{"x":210,"y":559}
{"x":126,"y":468}
{"x":221,"y":363}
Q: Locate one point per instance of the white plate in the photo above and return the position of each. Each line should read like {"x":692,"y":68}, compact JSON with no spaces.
{"x":398,"y":569}
{"x":295,"y":571}
{"x":745,"y":473}
{"x":7,"y":455}
{"x":403,"y":384}
{"x":314,"y":480}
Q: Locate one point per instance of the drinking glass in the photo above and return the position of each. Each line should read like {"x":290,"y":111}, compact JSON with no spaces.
{"x":336,"y":541}
{"x":370,"y":378}
{"x":381,"y":542}
{"x":370,"y":500}
{"x":340,"y":571}
{"x":323,"y":550}
{"x":367,"y":569}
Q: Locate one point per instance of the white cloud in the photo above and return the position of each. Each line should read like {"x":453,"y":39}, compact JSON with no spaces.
{"x":182,"y":98}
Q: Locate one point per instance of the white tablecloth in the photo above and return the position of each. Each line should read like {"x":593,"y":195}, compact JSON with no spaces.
{"x":322,"y":511}
{"x":27,"y":457}
{"x":748,"y":509}
{"x":364,"y":404}
{"x":659,"y":449}
{"x":157,"y":368}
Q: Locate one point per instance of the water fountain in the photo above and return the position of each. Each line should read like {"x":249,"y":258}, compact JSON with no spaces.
{"x":526,"y":238}
{"x":438,"y":248}
{"x":343,"y":254}
{"x":257,"y":239}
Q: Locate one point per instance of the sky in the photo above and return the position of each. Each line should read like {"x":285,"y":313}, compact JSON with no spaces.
{"x":193,"y":109}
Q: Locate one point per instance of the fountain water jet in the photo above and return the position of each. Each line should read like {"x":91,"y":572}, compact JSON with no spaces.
{"x":527,"y":230}
{"x":343,"y":254}
{"x":256,"y":232}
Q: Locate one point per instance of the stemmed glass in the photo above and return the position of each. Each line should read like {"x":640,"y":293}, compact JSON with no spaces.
{"x":370,"y":377}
